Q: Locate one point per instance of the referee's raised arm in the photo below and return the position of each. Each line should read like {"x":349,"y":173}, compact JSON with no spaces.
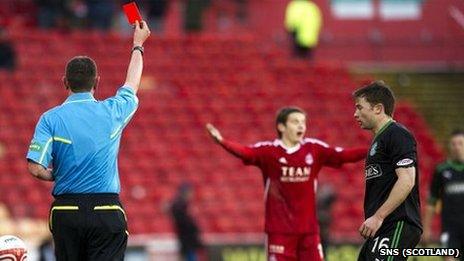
{"x":134,"y":70}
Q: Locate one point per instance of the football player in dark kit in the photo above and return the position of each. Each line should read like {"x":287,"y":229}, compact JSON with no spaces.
{"x":448,"y":186}
{"x":391,"y":201}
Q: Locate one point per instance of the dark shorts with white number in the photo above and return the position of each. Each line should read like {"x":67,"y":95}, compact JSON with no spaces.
{"x":452,"y":236}
{"x":400,"y":234}
{"x":88,"y":227}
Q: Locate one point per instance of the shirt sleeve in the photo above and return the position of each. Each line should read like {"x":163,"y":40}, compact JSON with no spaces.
{"x":40,"y":149}
{"x":250,"y":155}
{"x":124,"y":103}
{"x":336,"y":157}
{"x":402,"y":149}
{"x":123,"y":106}
{"x":330,"y":156}
{"x":436,"y":187}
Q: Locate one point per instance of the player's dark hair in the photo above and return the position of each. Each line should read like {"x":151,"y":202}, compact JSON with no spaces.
{"x":457,"y":132}
{"x":80,"y":74}
{"x":375,"y":93}
{"x":282,"y":116}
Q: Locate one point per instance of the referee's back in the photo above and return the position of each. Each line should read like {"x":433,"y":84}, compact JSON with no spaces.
{"x":82,"y":138}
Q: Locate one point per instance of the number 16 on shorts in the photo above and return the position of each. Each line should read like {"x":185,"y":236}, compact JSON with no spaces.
{"x":380,"y":243}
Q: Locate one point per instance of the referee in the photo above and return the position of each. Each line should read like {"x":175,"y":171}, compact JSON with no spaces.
{"x":76,"y":145}
{"x":391,"y":202}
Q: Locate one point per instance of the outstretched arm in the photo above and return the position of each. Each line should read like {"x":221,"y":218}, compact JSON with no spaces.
{"x":336,"y":157}
{"x":243,"y":152}
{"x":353,"y":155}
{"x":134,"y":70}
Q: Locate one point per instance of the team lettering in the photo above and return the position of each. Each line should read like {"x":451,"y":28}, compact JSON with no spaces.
{"x":295,"y":174}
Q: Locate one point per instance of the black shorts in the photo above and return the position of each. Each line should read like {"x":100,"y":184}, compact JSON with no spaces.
{"x":88,"y":227}
{"x":400,"y":234}
{"x":452,"y":236}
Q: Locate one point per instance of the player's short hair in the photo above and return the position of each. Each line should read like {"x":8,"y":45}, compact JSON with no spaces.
{"x":375,"y":93}
{"x":457,"y":132}
{"x":81,"y":72}
{"x":282,"y":116}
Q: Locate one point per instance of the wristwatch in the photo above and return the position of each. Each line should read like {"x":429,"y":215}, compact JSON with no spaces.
{"x":139,"y":48}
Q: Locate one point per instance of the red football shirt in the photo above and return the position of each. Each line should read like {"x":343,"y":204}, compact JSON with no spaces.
{"x":290,"y":177}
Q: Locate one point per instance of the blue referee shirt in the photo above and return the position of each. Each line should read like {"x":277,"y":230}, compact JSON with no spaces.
{"x":80,"y":140}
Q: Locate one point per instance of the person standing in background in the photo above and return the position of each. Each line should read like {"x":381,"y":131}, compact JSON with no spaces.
{"x":303,"y":21}
{"x":193,"y":14}
{"x":50,"y":13}
{"x":448,"y":187}
{"x":157,"y":10}
{"x":325,"y":198}
{"x":187,"y":230}
{"x":100,"y":14}
{"x":7,"y":52}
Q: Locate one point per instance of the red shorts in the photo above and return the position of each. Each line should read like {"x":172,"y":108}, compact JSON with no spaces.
{"x":288,"y":247}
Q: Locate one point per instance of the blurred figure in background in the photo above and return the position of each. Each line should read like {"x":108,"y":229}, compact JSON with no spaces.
{"x":100,"y":14}
{"x":78,"y":11}
{"x":325,"y":198}
{"x":188,"y":232}
{"x":242,"y":11}
{"x":193,"y":15}
{"x":303,"y":21}
{"x":448,"y":187}
{"x":156,"y":14}
{"x":7,"y":52}
{"x":50,"y":12}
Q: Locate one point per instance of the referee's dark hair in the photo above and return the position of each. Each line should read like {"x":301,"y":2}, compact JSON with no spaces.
{"x":81,"y":72}
{"x":375,"y":93}
{"x":282,"y":116}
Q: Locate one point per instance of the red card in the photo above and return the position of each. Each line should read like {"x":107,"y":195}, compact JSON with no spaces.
{"x":132,"y":12}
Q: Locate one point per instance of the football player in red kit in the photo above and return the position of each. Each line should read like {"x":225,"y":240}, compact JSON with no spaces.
{"x":290,"y":166}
